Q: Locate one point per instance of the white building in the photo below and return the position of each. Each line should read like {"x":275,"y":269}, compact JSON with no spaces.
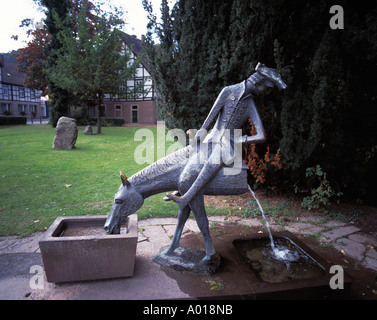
{"x":139,"y":108}
{"x":15,"y":98}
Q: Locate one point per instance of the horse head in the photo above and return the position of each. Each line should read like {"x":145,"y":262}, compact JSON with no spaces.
{"x":126,"y":202}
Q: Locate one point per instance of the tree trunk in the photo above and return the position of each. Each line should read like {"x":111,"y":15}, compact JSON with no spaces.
{"x":99,"y":103}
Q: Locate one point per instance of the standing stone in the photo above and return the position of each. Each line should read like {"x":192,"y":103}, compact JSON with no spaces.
{"x":88,"y":130}
{"x":65,"y":134}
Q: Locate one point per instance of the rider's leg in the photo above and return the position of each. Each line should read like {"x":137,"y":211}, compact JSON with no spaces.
{"x":206,"y":174}
{"x":212,"y":165}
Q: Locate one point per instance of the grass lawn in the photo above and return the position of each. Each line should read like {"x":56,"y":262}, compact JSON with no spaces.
{"x":39,"y":184}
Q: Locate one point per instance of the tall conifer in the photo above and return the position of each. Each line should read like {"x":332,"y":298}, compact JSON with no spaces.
{"x":327,"y":115}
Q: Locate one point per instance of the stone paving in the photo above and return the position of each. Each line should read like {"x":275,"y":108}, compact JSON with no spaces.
{"x":156,"y":233}
{"x":346,"y":238}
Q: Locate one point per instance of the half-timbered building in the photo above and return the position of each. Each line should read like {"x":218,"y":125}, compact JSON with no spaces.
{"x":140,"y":107}
{"x":15,"y":98}
{"x":137,"y":108}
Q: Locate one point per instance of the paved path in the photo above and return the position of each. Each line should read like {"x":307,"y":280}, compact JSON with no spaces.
{"x":18,"y":255}
{"x":37,"y":121}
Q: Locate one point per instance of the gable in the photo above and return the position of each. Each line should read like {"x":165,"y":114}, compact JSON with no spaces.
{"x":136,"y":47}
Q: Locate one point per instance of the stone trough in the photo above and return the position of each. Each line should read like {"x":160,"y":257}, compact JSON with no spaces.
{"x":78,"y":249}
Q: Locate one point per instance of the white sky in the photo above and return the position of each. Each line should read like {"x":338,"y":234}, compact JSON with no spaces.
{"x":12,"y":12}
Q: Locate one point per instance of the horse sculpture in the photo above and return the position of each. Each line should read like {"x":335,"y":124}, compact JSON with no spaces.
{"x":166,"y":175}
{"x":185,"y":169}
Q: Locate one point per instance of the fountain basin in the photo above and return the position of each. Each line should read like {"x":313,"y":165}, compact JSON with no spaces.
{"x":78,"y":249}
{"x":239,"y":281}
{"x":291,"y":263}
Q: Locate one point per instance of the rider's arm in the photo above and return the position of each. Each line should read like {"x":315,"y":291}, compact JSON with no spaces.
{"x":257,"y":122}
{"x":212,"y":116}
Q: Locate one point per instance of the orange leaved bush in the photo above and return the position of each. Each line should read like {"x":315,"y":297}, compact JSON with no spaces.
{"x":260,"y":165}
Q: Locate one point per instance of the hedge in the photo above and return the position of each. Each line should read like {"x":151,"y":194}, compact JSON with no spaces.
{"x":7,"y":121}
{"x":109,"y":122}
{"x":105,"y":121}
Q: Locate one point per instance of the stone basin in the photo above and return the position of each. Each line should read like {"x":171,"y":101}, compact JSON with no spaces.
{"x":78,"y":249}
{"x":243,"y":278}
{"x":268,"y":267}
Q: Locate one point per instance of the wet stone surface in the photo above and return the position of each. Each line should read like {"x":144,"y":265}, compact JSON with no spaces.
{"x":186,"y":259}
{"x":292,"y":264}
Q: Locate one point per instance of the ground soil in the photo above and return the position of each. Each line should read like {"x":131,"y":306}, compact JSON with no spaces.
{"x":362,"y":216}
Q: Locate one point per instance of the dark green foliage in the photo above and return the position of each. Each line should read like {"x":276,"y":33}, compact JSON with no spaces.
{"x":91,"y":60}
{"x":186,"y":63}
{"x":105,"y":121}
{"x":60,"y":99}
{"x":110,"y":121}
{"x":8,"y":121}
{"x":327,"y":117}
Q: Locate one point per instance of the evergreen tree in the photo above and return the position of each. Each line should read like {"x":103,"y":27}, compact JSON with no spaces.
{"x":327,"y":115}
{"x":60,"y":99}
{"x":92,"y":60}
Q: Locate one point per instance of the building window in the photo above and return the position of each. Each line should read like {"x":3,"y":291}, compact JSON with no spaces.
{"x":5,"y":108}
{"x":32,"y":94}
{"x":135,"y":114}
{"x":92,"y":111}
{"x":118,"y":107}
{"x":5,"y":90}
{"x":22,"y":109}
{"x":21,"y":92}
{"x":103,"y":111}
{"x":138,"y":89}
{"x":33,"y":110}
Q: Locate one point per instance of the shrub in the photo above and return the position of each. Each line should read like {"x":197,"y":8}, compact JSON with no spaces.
{"x":109,"y":122}
{"x":8,"y":121}
{"x":259,"y":166}
{"x":320,"y":195}
{"x":105,"y":121}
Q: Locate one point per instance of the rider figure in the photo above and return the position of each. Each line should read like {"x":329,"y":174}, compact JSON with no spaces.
{"x":232,"y":109}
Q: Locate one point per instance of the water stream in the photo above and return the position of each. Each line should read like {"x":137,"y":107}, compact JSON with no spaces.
{"x":281,"y":253}
{"x":264,"y":217}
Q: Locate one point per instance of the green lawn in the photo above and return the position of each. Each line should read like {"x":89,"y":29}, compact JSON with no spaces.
{"x":39,"y":184}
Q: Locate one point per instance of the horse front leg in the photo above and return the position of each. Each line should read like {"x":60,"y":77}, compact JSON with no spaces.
{"x":198,"y":208}
{"x":182,"y":218}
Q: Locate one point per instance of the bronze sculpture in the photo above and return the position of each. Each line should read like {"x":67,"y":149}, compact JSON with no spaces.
{"x":232,"y":109}
{"x":184,"y":171}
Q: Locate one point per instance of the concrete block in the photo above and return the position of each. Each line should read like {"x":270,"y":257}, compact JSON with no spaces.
{"x":251,"y":222}
{"x":363,"y":238}
{"x":332,"y":235}
{"x":88,"y":257}
{"x":372,"y":253}
{"x":333,"y":223}
{"x":15,"y":245}
{"x":370,"y":263}
{"x":192,"y":226}
{"x":351,"y":248}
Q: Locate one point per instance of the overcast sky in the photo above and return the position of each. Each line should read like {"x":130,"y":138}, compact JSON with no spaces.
{"x":14,"y":11}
